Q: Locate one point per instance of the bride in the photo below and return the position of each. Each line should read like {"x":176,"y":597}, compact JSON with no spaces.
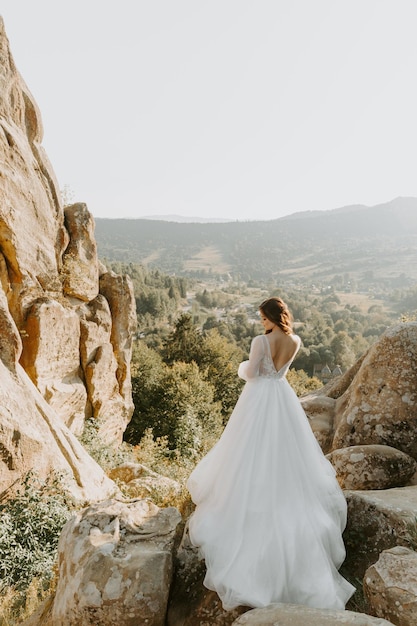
{"x":270,"y":513}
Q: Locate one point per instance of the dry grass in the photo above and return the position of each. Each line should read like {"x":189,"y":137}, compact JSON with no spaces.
{"x":151,"y":257}
{"x":302,"y":270}
{"x":362,"y":300}
{"x":209,"y":258}
{"x":15,"y":607}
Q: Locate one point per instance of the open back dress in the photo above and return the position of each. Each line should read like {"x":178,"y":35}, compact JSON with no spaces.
{"x":269,"y":512}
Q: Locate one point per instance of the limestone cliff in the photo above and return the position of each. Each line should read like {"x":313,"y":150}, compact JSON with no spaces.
{"x":66,"y":323}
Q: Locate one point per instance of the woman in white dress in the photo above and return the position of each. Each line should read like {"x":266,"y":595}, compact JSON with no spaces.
{"x":269,"y":512}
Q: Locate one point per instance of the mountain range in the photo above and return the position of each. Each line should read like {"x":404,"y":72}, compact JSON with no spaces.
{"x":377,"y":243}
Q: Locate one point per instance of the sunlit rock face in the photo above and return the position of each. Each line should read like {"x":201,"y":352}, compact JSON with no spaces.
{"x":374,"y":403}
{"x":380,"y":405}
{"x":390,"y":586}
{"x":372,"y":467}
{"x":115,"y":565}
{"x":70,"y":338}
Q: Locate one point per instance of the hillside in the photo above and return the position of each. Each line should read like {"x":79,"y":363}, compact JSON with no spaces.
{"x":372,"y":244}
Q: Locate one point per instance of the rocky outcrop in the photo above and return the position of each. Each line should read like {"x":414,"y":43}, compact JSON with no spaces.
{"x":118,"y":291}
{"x":373,"y":405}
{"x":294,"y":615}
{"x":115,"y":565}
{"x":141,"y":482}
{"x":80,"y":273}
{"x":51,"y":357}
{"x":390,"y":586}
{"x":321,"y":411}
{"x":72,"y":338}
{"x":378,"y":521}
{"x":380,"y":405}
{"x":33,"y":438}
{"x":372,"y":467}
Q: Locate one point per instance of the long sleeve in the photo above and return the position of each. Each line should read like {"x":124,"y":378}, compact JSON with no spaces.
{"x":250,"y":369}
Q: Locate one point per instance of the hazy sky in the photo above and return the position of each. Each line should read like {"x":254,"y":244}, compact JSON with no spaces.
{"x":223,"y":108}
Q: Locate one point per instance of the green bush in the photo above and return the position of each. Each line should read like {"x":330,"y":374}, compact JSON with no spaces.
{"x":105,"y":454}
{"x":30,"y":525}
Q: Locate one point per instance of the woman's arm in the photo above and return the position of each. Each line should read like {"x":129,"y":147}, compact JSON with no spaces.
{"x":250,"y":369}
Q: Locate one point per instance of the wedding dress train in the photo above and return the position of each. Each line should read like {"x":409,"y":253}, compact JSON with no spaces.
{"x":270,"y":513}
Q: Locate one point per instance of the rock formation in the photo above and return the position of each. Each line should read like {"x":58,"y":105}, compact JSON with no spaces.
{"x":141,"y":482}
{"x":372,"y":467}
{"x":115,"y":566}
{"x":377,"y":521}
{"x":367,"y":423}
{"x":380,"y":404}
{"x":366,"y":420}
{"x":376,"y":401}
{"x":66,"y":323}
{"x":390,"y":586}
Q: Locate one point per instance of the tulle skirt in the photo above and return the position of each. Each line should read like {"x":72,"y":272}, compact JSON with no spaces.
{"x":270,"y":513}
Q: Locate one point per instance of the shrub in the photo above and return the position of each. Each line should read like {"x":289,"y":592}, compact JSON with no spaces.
{"x":30,"y":524}
{"x":302,"y":383}
{"x":105,"y":454}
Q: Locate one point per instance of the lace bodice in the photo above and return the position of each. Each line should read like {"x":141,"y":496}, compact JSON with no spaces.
{"x":260,"y":363}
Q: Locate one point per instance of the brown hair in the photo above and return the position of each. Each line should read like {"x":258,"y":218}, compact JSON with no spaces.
{"x":277,"y":312}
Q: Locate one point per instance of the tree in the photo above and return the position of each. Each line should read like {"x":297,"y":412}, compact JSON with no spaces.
{"x":148,"y":374}
{"x":184,"y":342}
{"x":219,"y":360}
{"x":342,"y":348}
{"x":175,"y":401}
{"x":188,"y":412}
{"x":301,"y":382}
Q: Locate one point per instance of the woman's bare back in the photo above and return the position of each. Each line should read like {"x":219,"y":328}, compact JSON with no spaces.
{"x":283,"y":347}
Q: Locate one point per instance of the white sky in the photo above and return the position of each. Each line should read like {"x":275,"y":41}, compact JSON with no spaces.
{"x":223,"y":108}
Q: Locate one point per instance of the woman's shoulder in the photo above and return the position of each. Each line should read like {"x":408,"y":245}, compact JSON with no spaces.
{"x":257,"y":339}
{"x":261,"y":338}
{"x":296,"y":340}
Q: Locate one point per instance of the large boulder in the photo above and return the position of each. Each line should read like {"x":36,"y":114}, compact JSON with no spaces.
{"x":372,"y":467}
{"x":138,"y":481}
{"x":378,"y":521}
{"x":375,"y":401}
{"x":115,"y":565}
{"x":380,"y":405}
{"x":294,"y":615}
{"x":390,"y":586}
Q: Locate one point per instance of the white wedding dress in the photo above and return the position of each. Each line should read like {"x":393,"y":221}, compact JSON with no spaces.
{"x":270,"y":513}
